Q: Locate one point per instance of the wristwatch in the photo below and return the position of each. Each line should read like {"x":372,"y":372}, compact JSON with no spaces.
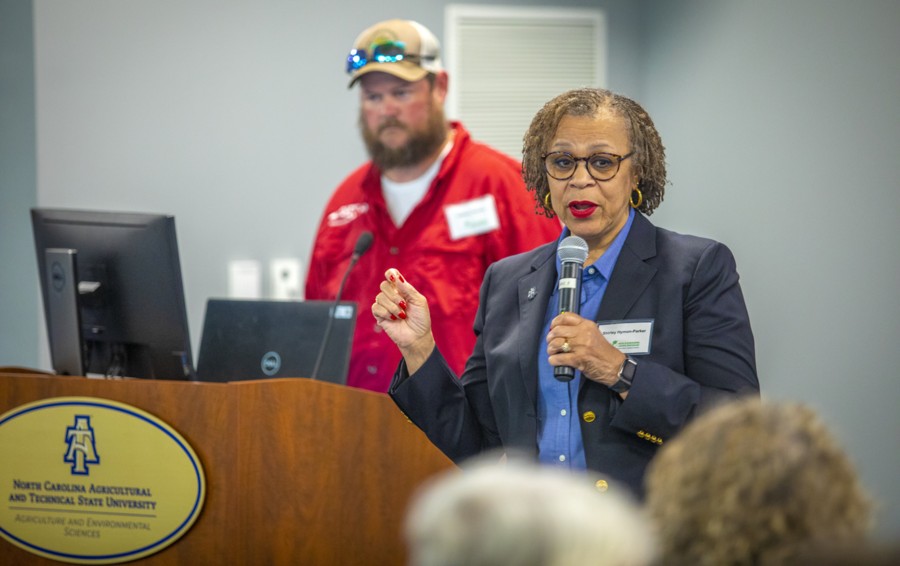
{"x":626,"y":376}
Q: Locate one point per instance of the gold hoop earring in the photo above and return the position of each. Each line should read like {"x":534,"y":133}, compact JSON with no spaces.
{"x":640,"y":197}
{"x":547,"y":201}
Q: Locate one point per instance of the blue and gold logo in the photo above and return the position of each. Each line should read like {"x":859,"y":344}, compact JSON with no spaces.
{"x":82,"y":450}
{"x":60,"y":503}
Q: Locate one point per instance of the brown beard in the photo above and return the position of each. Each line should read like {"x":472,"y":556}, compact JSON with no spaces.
{"x":420,"y":146}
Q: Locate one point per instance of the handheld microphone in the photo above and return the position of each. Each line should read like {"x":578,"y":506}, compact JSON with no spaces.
{"x":363,"y":243}
{"x":572,"y":253}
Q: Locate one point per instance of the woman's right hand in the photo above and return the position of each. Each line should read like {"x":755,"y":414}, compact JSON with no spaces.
{"x":402,"y":312}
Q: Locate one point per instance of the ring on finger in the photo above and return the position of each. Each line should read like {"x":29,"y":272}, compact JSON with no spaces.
{"x":566,"y":348}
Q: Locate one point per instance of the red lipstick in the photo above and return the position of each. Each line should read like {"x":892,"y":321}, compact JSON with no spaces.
{"x":582,"y":208}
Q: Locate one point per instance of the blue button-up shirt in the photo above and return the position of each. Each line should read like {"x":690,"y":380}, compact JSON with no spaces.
{"x":559,"y":426}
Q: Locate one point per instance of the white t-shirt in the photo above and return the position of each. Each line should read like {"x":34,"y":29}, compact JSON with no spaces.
{"x":402,"y":198}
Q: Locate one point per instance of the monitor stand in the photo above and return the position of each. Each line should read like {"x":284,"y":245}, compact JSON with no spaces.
{"x":63,"y":313}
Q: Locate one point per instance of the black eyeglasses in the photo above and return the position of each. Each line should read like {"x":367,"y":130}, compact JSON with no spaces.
{"x":561,"y":165}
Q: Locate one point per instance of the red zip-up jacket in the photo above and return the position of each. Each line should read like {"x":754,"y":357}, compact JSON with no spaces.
{"x":447,"y":272}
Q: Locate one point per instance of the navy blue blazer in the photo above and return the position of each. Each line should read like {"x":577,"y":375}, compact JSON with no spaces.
{"x":701,"y":353}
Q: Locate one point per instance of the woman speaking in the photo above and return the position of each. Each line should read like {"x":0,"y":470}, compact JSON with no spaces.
{"x":662,"y":331}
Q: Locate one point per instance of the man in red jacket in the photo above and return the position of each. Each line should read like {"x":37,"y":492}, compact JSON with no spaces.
{"x":441,"y":206}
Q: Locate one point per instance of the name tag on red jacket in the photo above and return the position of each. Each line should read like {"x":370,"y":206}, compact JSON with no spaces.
{"x":472,"y":217}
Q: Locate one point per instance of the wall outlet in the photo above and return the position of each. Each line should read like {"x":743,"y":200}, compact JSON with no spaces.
{"x":244,"y":279}
{"x":287,"y":279}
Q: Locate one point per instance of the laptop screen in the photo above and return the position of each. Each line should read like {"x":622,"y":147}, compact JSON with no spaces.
{"x":250,"y":339}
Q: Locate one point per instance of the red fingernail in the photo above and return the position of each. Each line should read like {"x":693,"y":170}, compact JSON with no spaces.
{"x":402,"y":280}
{"x":392,"y":278}
{"x":393,"y":317}
{"x":403,"y":305}
{"x":402,"y":315}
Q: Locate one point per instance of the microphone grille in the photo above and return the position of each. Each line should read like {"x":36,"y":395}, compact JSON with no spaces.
{"x":572,"y":250}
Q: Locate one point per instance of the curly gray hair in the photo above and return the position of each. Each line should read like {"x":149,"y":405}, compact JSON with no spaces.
{"x":753,"y":483}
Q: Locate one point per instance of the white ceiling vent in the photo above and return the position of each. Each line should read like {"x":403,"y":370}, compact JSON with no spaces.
{"x":506,"y":62}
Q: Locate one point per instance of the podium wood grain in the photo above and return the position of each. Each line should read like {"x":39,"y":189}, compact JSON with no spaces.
{"x":297,"y":471}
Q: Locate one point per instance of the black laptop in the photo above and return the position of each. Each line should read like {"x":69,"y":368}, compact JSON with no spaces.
{"x":251,"y":339}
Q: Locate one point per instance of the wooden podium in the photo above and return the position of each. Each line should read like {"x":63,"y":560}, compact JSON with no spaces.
{"x":297,"y":471}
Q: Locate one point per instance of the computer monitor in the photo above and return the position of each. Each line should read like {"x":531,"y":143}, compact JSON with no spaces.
{"x":129,"y":295}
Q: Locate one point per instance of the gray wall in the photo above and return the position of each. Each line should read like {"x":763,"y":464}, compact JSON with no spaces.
{"x":18,"y":276}
{"x":233,"y":116}
{"x":782,"y":124}
{"x":779,"y":117}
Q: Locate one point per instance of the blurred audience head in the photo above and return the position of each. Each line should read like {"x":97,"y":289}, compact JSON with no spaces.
{"x":517,"y":514}
{"x":753,"y":482}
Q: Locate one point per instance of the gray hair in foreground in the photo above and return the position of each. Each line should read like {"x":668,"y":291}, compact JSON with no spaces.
{"x":521,"y":514}
{"x":755,"y":482}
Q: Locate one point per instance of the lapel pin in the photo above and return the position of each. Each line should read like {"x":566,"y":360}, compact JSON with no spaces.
{"x":532,"y":293}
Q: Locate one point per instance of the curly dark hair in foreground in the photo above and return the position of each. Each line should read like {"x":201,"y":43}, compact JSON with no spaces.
{"x":649,"y":159}
{"x":753,"y":483}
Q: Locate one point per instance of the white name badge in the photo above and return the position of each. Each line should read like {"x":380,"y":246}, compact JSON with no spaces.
{"x":473,"y":217}
{"x":628,"y":336}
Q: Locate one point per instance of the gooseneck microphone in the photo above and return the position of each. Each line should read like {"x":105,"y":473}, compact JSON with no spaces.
{"x":363,"y":243}
{"x":572,"y":253}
